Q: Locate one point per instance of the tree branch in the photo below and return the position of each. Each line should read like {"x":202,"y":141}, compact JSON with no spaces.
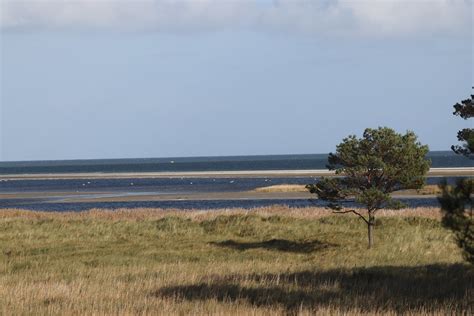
{"x":353,"y":211}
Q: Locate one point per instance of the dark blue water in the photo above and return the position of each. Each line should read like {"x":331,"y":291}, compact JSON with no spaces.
{"x":158,"y":185}
{"x":175,"y":186}
{"x":39,"y":205}
{"x":439,"y":159}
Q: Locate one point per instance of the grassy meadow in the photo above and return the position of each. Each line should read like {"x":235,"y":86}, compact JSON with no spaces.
{"x":266,"y":261}
{"x":429,"y":189}
{"x":281,"y":188}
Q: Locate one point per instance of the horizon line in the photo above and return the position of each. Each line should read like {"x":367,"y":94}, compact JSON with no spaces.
{"x":184,"y":157}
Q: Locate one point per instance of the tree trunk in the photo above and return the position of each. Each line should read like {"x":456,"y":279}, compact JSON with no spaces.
{"x":371,"y":238}
{"x":370,"y":227}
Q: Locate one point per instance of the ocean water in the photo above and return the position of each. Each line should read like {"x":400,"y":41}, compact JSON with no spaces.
{"x":52,"y":206}
{"x":174,"y":187}
{"x":157,"y":185}
{"x":439,"y":159}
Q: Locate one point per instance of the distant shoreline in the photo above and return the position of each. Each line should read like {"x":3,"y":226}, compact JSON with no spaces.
{"x":433,"y":172}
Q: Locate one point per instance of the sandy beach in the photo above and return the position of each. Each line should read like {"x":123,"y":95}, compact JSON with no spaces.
{"x":433,"y":172}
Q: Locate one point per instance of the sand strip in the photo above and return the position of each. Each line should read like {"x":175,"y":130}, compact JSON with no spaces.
{"x":434,"y":172}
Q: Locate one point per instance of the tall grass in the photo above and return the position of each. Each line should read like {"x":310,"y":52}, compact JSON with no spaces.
{"x":279,"y":188}
{"x":272,"y":260}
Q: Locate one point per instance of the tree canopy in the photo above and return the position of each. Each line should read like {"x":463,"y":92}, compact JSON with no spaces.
{"x":457,"y":205}
{"x":465,"y":110}
{"x":368,"y":169}
{"x":456,"y":201}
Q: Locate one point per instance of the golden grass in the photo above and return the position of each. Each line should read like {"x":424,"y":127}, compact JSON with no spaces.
{"x":282,"y":188}
{"x":430,"y":189}
{"x":156,"y":213}
{"x":266,"y":261}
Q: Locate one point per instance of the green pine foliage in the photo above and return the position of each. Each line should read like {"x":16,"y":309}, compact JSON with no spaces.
{"x":369,"y":169}
{"x":457,"y":205}
{"x":456,"y":202}
{"x":465,"y":110}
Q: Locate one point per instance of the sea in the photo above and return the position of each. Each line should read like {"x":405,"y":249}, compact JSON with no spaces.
{"x":439,"y":159}
{"x":84,"y":190}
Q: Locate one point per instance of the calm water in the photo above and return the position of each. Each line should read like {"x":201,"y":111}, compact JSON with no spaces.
{"x":87,"y":188}
{"x":157,"y":186}
{"x":42,"y":205}
{"x":235,"y":163}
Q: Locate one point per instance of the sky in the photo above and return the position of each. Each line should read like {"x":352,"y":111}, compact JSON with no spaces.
{"x":90,"y":79}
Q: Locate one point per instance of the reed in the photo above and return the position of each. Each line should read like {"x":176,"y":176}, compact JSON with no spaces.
{"x":282,"y":188}
{"x":272,"y":260}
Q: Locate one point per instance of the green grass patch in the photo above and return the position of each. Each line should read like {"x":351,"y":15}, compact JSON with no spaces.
{"x":237,"y":263}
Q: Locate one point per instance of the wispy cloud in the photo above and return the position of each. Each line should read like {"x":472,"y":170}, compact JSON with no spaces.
{"x":363,"y":17}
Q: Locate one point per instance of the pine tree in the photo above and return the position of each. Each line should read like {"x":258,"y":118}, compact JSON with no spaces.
{"x":465,"y":110}
{"x":369,"y":169}
{"x":456,"y":201}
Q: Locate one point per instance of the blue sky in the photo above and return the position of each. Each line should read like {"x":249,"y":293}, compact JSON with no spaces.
{"x":117,"y":79}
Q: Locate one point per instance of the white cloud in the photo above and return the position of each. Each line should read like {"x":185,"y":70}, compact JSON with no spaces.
{"x":366,"y":17}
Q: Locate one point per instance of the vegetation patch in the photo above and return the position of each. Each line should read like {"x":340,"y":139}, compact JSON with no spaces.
{"x":260,"y":262}
{"x":282,"y":188}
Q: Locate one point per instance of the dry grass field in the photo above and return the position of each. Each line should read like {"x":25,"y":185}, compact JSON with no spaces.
{"x":429,"y":189}
{"x":266,"y":261}
{"x":282,"y":188}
